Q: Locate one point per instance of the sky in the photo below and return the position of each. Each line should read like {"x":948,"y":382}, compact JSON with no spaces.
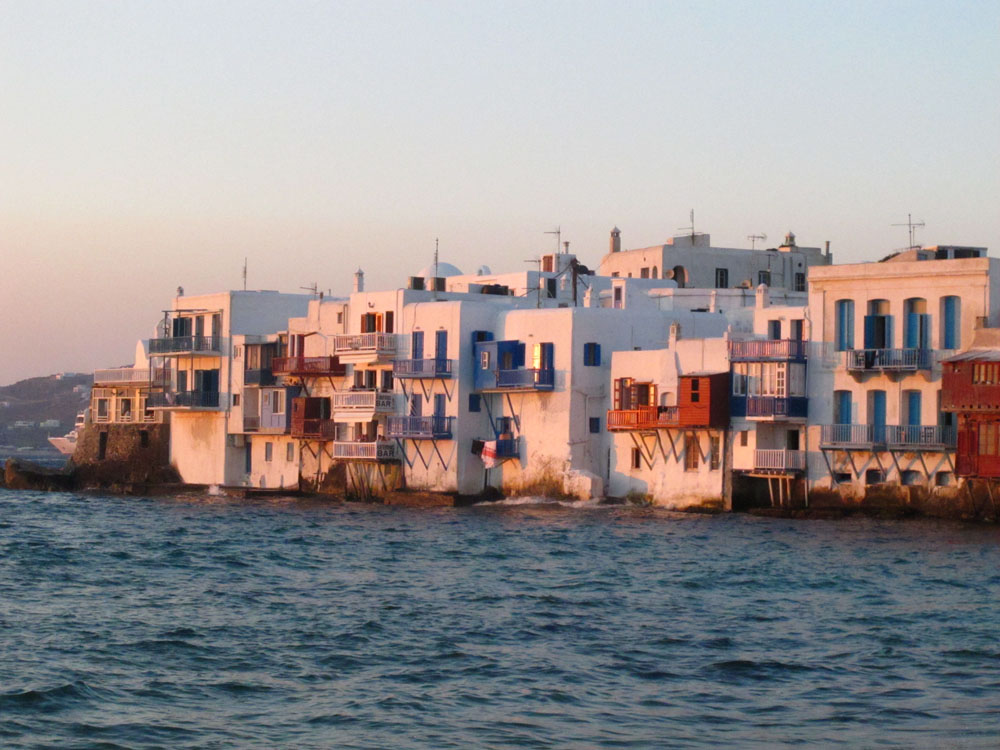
{"x":150,"y":145}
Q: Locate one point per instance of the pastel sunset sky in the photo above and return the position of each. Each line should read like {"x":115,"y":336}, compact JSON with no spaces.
{"x":147,"y":145}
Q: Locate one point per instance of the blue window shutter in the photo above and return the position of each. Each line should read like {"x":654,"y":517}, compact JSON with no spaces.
{"x":474,"y":402}
{"x":870,"y":331}
{"x":913,"y":408}
{"x":441,"y":345}
{"x":597,"y":355}
{"x":417,"y":345}
{"x":912,"y":327}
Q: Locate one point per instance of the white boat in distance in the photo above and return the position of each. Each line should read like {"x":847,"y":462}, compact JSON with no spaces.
{"x":67,"y":443}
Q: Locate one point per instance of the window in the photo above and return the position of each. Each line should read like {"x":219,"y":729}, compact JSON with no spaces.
{"x":595,"y":425}
{"x":909,"y":477}
{"x":874,"y":476}
{"x":798,"y":329}
{"x":592,"y":355}
{"x":691,"y":452}
{"x":550,"y":288}
{"x":695,"y":393}
{"x":943,"y":478}
{"x":800,"y":281}
{"x":842,"y":477}
{"x":475,"y":402}
{"x":774,"y":330}
{"x":144,"y":439}
{"x":644,"y":273}
{"x":237,"y":352}
{"x":340,"y":318}
{"x":740,"y":379}
{"x":484,"y":360}
{"x":721,"y":278}
{"x":618,"y":297}
{"x":636,"y":459}
{"x":277,"y":402}
{"x":289,"y":453}
{"x":102,"y":408}
{"x":844,"y":322}
{"x":951,"y":321}
{"x":764,"y":277}
{"x":917,"y":324}
{"x":715,"y":448}
{"x":268,"y":451}
{"x":386,"y":380}
{"x":236,"y":399}
{"x":841,"y":407}
{"x":654,"y":272}
{"x":744,"y":438}
{"x":125,"y":409}
{"x":878,"y":325}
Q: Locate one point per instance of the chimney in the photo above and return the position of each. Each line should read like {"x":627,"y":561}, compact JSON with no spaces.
{"x":616,"y":240}
{"x":359,"y":280}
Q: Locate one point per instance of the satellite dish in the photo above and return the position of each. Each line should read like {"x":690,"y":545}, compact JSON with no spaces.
{"x":668,"y":274}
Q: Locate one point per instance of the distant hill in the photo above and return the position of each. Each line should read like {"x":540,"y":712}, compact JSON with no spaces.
{"x":36,"y":400}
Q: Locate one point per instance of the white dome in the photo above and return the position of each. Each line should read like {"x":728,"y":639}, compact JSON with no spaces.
{"x":444,"y":270}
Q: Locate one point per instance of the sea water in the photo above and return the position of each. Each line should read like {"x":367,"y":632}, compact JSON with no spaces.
{"x":205,"y":622}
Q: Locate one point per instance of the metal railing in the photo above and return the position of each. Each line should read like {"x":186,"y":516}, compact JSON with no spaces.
{"x":777,"y":406}
{"x":375,"y":450}
{"x":251,"y":424}
{"x":360,"y":343}
{"x":526,"y":378}
{"x":368,"y":400}
{"x":920,"y":436}
{"x":643,"y":418}
{"x":852,"y":434}
{"x":183,"y":399}
{"x":323,"y":429}
{"x":888,"y":359}
{"x":307,"y":366}
{"x":183,"y":344}
{"x":420,"y":427}
{"x":258,"y":377}
{"x":131,"y":375}
{"x":769,"y":459}
{"x":507,"y":448}
{"x":421,"y":368}
{"x":756,"y":350}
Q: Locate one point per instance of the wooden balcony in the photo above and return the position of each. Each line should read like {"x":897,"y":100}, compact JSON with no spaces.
{"x":779,"y":461}
{"x":643,"y":418}
{"x":360,"y":348}
{"x":311,"y":428}
{"x":374,"y":450}
{"x":308,"y":366}
{"x":766,"y":350}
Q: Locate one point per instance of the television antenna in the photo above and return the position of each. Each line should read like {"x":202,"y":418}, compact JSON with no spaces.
{"x":314,"y":288}
{"x":244,"y":274}
{"x":753,"y":239}
{"x":690,"y":228}
{"x":558,"y":233}
{"x":911,"y":225}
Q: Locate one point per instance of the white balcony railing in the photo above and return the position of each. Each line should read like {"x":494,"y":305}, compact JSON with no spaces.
{"x":364,"y":343}
{"x":375,"y":450}
{"x":362,"y":401}
{"x":770,"y":459}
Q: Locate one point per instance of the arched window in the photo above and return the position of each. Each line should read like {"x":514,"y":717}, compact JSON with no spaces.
{"x":844,"y":325}
{"x":951,"y":322}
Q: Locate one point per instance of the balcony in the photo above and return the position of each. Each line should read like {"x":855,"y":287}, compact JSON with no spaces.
{"x":192,"y":400}
{"x":178,"y":345}
{"x":359,"y":348}
{"x":926,"y":437}
{"x":375,"y":450}
{"x":761,"y":350}
{"x":778,"y":461}
{"x":507,"y":448}
{"x":770,"y":407}
{"x":308,"y":366}
{"x":521,"y":380}
{"x":251,"y":424}
{"x":421,"y":368}
{"x":361,"y":406}
{"x":314,"y":428}
{"x":258,"y":377}
{"x":132,"y":376}
{"x":888,"y":360}
{"x":643,"y":418}
{"x":420,"y":428}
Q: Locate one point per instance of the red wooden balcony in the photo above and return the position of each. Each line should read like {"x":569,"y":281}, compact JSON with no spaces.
{"x":308,"y":366}
{"x":970,"y":385}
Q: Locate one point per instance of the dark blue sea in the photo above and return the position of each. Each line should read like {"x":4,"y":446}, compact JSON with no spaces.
{"x":212,"y":623}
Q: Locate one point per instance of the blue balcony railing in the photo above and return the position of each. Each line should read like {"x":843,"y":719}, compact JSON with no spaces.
{"x":780,"y":407}
{"x":185,"y":344}
{"x":507,"y":448}
{"x":429,"y":428}
{"x":542,"y":379}
{"x":920,"y":436}
{"x":897,"y":360}
{"x":421,"y":368}
{"x":852,"y":435}
{"x":183,"y":399}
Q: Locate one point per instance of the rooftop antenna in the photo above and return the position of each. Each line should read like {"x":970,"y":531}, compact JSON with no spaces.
{"x":314,"y":288}
{"x":538,"y":289}
{"x":434,"y":282}
{"x":753,"y":239}
{"x":910,"y":225}
{"x":244,"y":274}
{"x":690,"y":228}
{"x":558,"y":233}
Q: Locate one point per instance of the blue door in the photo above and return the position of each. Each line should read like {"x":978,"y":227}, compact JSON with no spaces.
{"x":417,"y":345}
{"x":842,"y":408}
{"x":440,"y":401}
{"x":441,"y":345}
{"x":913,"y":408}
{"x":877,"y":417}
